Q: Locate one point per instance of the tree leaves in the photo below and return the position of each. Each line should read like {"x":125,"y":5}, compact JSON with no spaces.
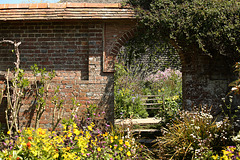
{"x":210,"y":25}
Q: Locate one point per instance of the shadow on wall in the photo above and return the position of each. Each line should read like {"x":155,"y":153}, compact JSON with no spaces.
{"x":61,"y":46}
{"x":107,"y":100}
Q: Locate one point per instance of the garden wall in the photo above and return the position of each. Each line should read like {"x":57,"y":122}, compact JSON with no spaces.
{"x":206,"y":80}
{"x":74,"y":49}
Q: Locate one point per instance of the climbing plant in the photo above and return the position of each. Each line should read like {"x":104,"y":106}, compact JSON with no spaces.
{"x":206,"y":26}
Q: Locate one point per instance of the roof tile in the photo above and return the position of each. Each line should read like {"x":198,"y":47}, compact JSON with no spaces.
{"x":42,"y":5}
{"x":57,"y":5}
{"x":33,"y":5}
{"x":12,"y":5}
{"x":76,"y":5}
{"x":2,"y":6}
{"x":51,"y":11}
{"x":23,"y":5}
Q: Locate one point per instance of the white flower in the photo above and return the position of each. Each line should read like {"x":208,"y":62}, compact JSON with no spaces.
{"x":219,"y":124}
{"x":234,"y":88}
{"x":197,"y":127}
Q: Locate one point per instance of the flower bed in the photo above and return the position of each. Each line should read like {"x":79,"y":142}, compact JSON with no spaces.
{"x":76,"y":141}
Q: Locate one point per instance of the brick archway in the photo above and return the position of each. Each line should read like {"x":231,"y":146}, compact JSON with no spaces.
{"x":121,"y":41}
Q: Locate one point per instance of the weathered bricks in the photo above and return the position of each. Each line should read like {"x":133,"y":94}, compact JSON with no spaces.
{"x":74,"y":49}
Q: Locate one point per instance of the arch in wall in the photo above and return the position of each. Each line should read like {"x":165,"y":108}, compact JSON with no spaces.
{"x":113,"y":50}
{"x":122,"y":39}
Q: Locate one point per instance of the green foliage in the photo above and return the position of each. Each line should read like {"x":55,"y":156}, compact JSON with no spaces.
{"x":40,"y":89}
{"x":127,"y":103}
{"x":208,"y":26}
{"x":128,"y":88}
{"x":194,"y":135}
{"x":166,"y":84}
{"x":236,"y":84}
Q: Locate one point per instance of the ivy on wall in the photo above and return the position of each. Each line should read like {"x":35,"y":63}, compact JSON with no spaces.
{"x":210,"y":26}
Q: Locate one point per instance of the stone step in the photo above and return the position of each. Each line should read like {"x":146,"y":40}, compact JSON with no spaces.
{"x":144,"y":121}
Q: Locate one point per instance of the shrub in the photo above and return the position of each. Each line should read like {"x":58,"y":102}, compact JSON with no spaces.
{"x":194,"y":135}
{"x":169,"y":81}
{"x":126,"y":90}
{"x":128,"y":105}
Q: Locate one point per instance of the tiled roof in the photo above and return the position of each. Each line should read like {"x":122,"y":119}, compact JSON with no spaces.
{"x":58,"y":11}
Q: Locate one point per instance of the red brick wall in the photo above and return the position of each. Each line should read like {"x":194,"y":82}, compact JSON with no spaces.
{"x":74,"y":49}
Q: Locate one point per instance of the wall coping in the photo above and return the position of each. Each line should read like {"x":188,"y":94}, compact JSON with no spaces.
{"x":54,"y":11}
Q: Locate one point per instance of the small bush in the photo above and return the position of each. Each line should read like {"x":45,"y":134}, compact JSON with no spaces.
{"x":194,"y":135}
{"x":127,"y":103}
{"x":169,"y":81}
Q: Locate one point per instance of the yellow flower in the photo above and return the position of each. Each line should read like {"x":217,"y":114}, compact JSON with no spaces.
{"x":69,"y":134}
{"x":74,"y":125}
{"x":127,"y":143}
{"x":29,"y":131}
{"x":76,"y":131}
{"x":8,"y":132}
{"x":81,"y":131}
{"x":231,"y":148}
{"x":215,"y":157}
{"x":88,"y":135}
{"x":120,"y":141}
{"x":56,"y":155}
{"x":98,"y":149}
{"x":90,"y":128}
{"x":128,"y":153}
{"x":120,"y":149}
{"x":106,"y":134}
{"x":115,"y":137}
{"x":67,"y":148}
{"x":225,"y":152}
{"x":111,"y":139}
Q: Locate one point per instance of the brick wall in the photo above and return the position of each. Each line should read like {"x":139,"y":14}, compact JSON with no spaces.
{"x":206,"y":79}
{"x":74,"y":49}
